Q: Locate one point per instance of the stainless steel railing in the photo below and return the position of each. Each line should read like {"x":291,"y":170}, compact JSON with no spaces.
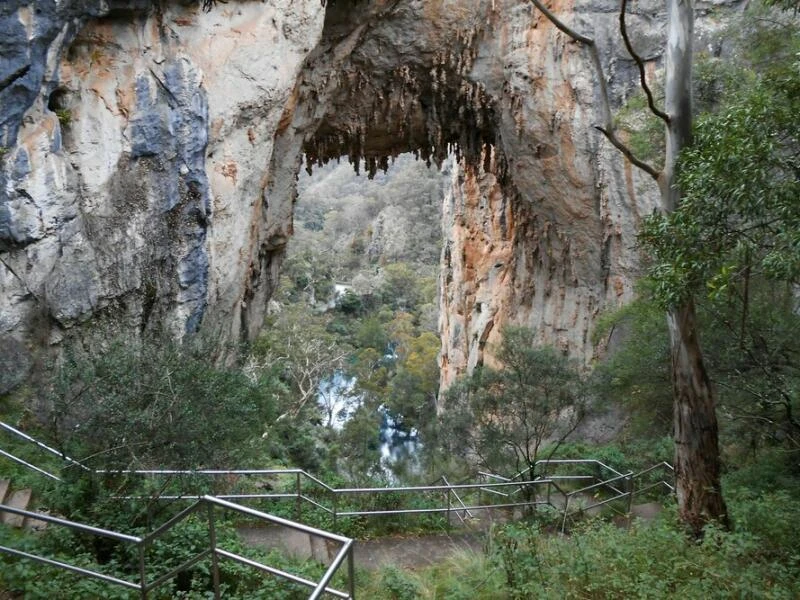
{"x":28,"y":465}
{"x":145,"y":584}
{"x":24,"y":436}
{"x":604,"y":477}
{"x":553,"y":490}
{"x":304,"y":488}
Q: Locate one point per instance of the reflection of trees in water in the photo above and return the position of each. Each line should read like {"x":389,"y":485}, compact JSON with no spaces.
{"x":393,"y":448}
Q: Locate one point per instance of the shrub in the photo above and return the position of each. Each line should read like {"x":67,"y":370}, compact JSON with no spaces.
{"x":145,"y":404}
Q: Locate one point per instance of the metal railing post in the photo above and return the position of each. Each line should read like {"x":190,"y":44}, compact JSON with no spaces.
{"x":351,"y":573}
{"x":335,"y":507}
{"x":212,"y":537}
{"x":566,"y":511}
{"x":142,"y":572}
{"x":630,"y":484}
{"x":299,"y":492}
{"x":448,"y":508}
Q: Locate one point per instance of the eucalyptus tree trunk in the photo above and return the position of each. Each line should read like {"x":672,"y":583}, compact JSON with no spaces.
{"x":697,"y":468}
{"x":697,"y":465}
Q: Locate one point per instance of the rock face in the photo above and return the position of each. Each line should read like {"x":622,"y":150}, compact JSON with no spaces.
{"x":136,"y":138}
{"x":150,"y":152}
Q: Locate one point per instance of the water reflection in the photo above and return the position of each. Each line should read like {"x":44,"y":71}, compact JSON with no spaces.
{"x":338,"y":400}
{"x":398,"y":447}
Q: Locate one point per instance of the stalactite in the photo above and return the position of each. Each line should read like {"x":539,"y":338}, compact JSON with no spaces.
{"x":430,"y":108}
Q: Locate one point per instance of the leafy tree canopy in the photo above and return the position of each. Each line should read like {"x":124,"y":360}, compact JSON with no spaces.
{"x":740,"y":214}
{"x":505,"y":416}
{"x":145,"y":404}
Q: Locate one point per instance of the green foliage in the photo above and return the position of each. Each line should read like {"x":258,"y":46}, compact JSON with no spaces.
{"x":399,"y":585}
{"x":350,"y":303}
{"x":357,"y":226}
{"x":645,"y":132}
{"x":184,"y":542}
{"x":413,"y":390}
{"x":297,"y":347}
{"x":754,"y":343}
{"x":145,"y":404}
{"x":649,"y":560}
{"x":399,"y":287}
{"x":372,"y":334}
{"x":643,"y":562}
{"x":751,"y":345}
{"x":311,"y":275}
{"x":739,"y":216}
{"x":636,"y":374}
{"x":360,"y":445}
{"x":504,"y":416}
{"x":792,"y":5}
{"x":64,"y":116}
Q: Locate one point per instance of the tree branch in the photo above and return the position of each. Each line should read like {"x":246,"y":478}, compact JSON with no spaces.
{"x":611,"y":136}
{"x":623,"y":29}
{"x":607,"y":129}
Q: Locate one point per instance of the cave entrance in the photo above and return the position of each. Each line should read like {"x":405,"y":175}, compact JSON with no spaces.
{"x":376,"y":238}
{"x":360,"y":272}
{"x":360,"y":278}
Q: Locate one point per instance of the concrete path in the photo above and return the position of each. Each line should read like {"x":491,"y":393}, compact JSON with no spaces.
{"x":407,"y":552}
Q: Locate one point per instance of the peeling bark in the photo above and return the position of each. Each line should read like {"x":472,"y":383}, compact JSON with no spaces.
{"x":697,"y":465}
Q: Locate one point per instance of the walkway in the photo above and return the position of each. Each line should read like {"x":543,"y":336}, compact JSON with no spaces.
{"x":404,"y":552}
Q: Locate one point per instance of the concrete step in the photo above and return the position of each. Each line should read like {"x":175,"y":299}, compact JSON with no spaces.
{"x":642,"y":512}
{"x":18,"y":499}
{"x":36,"y":524}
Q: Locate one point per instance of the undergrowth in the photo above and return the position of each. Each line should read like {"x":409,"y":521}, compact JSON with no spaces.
{"x":759,"y":559}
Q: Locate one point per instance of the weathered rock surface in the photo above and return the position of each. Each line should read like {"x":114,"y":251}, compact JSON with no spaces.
{"x":150,"y":153}
{"x":136,"y":141}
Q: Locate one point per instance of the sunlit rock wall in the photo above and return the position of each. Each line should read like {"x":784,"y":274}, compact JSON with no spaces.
{"x":552,"y":243}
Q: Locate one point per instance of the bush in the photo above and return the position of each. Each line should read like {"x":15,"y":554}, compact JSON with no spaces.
{"x":146,"y":404}
{"x":399,"y":585}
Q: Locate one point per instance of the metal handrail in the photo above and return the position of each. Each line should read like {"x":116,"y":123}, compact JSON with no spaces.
{"x":493,"y":476}
{"x":568,"y":461}
{"x":21,"y":434}
{"x":605,"y":483}
{"x":28,"y":465}
{"x":467,"y":513}
{"x":514,"y":484}
{"x":82,"y":527}
{"x":665,"y":466}
{"x":141,"y":543}
{"x":662,"y":465}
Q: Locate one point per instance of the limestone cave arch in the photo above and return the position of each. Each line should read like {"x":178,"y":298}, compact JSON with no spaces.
{"x":530,"y":240}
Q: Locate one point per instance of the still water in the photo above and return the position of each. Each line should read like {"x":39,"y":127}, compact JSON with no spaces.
{"x":338,"y":401}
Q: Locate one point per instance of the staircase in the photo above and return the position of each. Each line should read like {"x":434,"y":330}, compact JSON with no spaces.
{"x":20,"y":499}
